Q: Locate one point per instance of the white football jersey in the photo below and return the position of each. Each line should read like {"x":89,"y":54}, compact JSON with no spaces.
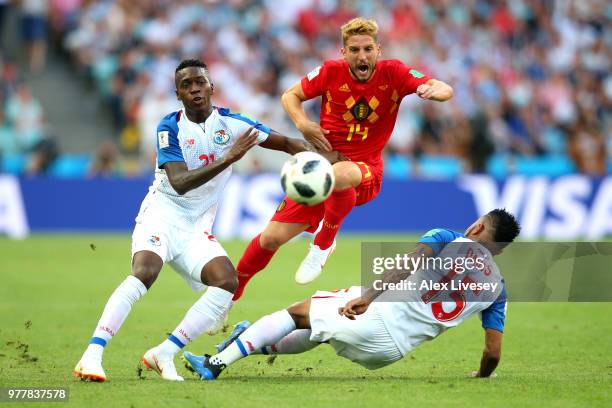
{"x":198,"y":145}
{"x":423,"y":315}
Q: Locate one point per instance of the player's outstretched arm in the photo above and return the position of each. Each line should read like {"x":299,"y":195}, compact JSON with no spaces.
{"x":282,"y":143}
{"x":292,"y":101}
{"x":435,"y":90}
{"x":491,"y":354}
{"x":360,"y":305}
{"x":184,"y":180}
{"x":277,"y":141}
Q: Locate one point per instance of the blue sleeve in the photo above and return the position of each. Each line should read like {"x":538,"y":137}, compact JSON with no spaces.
{"x":168,"y":148}
{"x":494,"y":317}
{"x":438,"y":238}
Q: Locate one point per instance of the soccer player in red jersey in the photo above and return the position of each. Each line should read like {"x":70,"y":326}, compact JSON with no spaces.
{"x":360,"y":99}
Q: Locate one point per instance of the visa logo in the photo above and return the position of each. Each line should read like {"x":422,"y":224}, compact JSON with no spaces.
{"x":567,"y":207}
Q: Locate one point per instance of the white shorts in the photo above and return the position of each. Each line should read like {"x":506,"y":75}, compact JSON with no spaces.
{"x":364,"y":340}
{"x":185,"y":252}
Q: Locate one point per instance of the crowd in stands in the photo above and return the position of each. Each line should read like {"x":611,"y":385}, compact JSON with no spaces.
{"x":23,"y":131}
{"x":531,"y":77}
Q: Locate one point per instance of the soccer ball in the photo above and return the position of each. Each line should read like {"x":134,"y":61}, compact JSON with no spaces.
{"x":307,"y":178}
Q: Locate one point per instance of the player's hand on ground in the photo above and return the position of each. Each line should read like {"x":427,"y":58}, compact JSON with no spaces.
{"x":244,"y":143}
{"x":354,"y":307}
{"x":315,"y":134}
{"x":334,"y":156}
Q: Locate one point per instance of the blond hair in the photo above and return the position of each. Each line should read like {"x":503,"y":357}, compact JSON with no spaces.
{"x":359,"y":26}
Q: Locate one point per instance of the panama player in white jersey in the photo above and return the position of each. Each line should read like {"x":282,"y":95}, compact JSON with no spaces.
{"x":376,"y":334}
{"x":196,"y":147}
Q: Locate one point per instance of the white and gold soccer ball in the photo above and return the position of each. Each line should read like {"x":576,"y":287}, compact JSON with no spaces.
{"x":307,"y":178}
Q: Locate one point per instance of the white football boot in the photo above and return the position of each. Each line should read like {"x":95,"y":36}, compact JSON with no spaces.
{"x":89,"y":370}
{"x":161,"y":364}
{"x":312,"y":266}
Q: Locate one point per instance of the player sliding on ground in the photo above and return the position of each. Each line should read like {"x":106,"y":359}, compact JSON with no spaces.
{"x":376,"y":334}
{"x":196,"y":147}
{"x":360,"y":99}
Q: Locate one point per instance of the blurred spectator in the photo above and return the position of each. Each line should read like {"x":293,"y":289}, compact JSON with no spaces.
{"x":4,"y":4}
{"x":587,"y":149}
{"x":34,"y":31}
{"x":480,"y":147}
{"x":25,"y":115}
{"x":106,"y":162}
{"x":42,"y":156}
{"x":8,"y":143}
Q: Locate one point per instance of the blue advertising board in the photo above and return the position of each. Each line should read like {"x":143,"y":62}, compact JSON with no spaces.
{"x":567,"y":207}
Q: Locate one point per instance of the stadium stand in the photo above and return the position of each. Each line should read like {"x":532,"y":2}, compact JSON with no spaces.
{"x":531,"y":77}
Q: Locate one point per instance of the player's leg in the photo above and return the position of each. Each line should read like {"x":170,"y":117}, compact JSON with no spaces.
{"x":268,"y":330}
{"x":296,"y":342}
{"x":146,"y":266}
{"x":262,"y":248}
{"x":220,"y":277}
{"x":339,"y":204}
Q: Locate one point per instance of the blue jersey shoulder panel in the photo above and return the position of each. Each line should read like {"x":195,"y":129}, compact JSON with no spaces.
{"x":438,"y":238}
{"x":168,"y":148}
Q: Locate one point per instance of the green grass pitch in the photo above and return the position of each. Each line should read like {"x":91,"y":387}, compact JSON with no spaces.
{"x":53,"y":289}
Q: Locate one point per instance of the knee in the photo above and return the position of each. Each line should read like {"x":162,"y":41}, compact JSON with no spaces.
{"x":346,"y":174}
{"x":145,"y":273}
{"x":270,"y":241}
{"x":300,"y":313}
{"x":220,"y":274}
{"x":227,"y":282}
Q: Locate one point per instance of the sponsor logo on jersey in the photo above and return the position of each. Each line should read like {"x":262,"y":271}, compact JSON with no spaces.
{"x":312,"y":74}
{"x":416,"y":73}
{"x":221,"y":137}
{"x":163,"y":139}
{"x":345,"y":88}
{"x":154,"y":240}
{"x":383,"y":87}
{"x":189,"y":143}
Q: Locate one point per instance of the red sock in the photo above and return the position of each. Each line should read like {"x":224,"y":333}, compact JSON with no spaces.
{"x":253,"y":260}
{"x":337,"y":207}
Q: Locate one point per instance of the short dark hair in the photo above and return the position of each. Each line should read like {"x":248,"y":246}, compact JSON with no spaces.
{"x":505,"y":225}
{"x":191,"y":63}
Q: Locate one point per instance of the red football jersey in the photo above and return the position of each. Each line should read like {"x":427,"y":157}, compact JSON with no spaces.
{"x":360,"y":116}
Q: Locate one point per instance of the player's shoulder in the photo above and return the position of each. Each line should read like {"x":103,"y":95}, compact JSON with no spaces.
{"x":442,"y":234}
{"x":334,"y":65}
{"x":237,"y":121}
{"x":227,"y":114}
{"x":170,"y":121}
{"x":390,"y":65}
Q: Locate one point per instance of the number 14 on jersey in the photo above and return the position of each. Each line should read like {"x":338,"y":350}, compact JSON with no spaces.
{"x":355,"y":129}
